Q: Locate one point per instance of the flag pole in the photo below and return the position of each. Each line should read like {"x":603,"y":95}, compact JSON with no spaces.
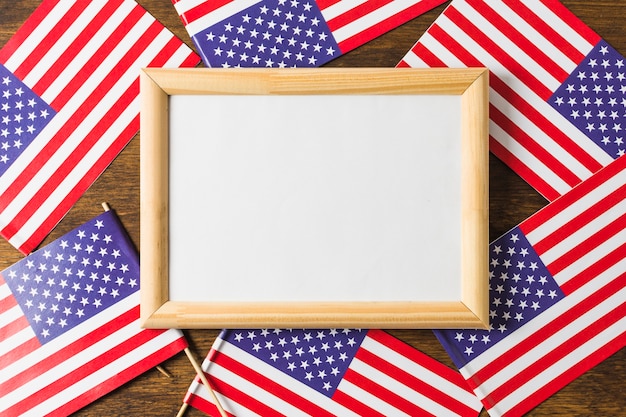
{"x":205,"y":381}
{"x":182,"y":410}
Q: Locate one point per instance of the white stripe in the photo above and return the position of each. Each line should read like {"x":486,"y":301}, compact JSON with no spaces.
{"x":527,"y":158}
{"x":562,"y":366}
{"x":71,"y":335}
{"x":423,"y":374}
{"x":540,"y":137}
{"x":503,"y":41}
{"x":77,"y":100}
{"x":583,"y":233}
{"x":216,"y":16}
{"x":547,"y":345}
{"x":369,"y":20}
{"x":109,"y":370}
{"x":31,"y":43}
{"x":590,"y":258}
{"x":79,"y":359}
{"x":178,"y":57}
{"x":560,"y":27}
{"x":98,"y":149}
{"x":536,"y":38}
{"x":17,"y":339}
{"x":280,"y":378}
{"x":413,"y":61}
{"x":523,"y":91}
{"x":340,"y":7}
{"x":539,"y":322}
{"x":61,"y":45}
{"x":110,"y":27}
{"x":564,"y":216}
{"x":371,"y":400}
{"x":184,"y":6}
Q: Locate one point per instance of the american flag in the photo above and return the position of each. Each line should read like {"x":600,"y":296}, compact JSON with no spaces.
{"x":327,"y":372}
{"x":557,"y":90}
{"x":69,"y":85}
{"x":558,"y":298}
{"x":289,"y":33}
{"x":69,"y":323}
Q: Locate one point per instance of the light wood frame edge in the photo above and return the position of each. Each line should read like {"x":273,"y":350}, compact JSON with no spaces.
{"x":157,"y":311}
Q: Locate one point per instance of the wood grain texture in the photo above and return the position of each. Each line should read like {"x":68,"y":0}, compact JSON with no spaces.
{"x":599,"y":392}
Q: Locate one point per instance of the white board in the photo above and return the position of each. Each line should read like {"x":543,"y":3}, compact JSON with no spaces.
{"x":317,"y":197}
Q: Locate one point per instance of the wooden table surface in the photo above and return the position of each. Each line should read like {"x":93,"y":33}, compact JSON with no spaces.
{"x":599,"y":392}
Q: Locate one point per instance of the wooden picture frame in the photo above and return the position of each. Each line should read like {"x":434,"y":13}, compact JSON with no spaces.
{"x":467,"y":306}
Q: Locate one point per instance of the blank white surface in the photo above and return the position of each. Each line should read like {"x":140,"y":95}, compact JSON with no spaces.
{"x":314,"y":198}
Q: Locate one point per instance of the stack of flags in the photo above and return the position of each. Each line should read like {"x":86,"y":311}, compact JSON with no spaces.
{"x":69,"y":331}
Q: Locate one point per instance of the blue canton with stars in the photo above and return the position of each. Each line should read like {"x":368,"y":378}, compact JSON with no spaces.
{"x":520,"y":288}
{"x":273,"y":33}
{"x":23,"y":114}
{"x":75,"y":277}
{"x":317,"y":358}
{"x":593,"y":98}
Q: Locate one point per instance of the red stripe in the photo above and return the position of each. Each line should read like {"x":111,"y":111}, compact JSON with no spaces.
{"x":97,"y":58}
{"x":529,"y":175}
{"x":35,"y":19}
{"x":498,"y":53}
{"x":323,"y":4}
{"x":577,"y":222}
{"x":415,"y":384}
{"x":48,"y":41}
{"x":7,"y":358}
{"x":87,"y":106}
{"x":354,"y":405}
{"x":10,"y":329}
{"x":236,"y":396}
{"x":537,"y":337}
{"x":513,"y":97}
{"x":573,"y":371}
{"x":64,"y":206}
{"x":532,"y":146}
{"x":418,"y":357}
{"x":427,"y":56}
{"x":146,"y":363}
{"x":65,"y":381}
{"x":384,"y":394}
{"x":53,"y":145}
{"x":514,"y":35}
{"x":100,"y":165}
{"x":355,"y":13}
{"x":70,"y":350}
{"x":583,"y":277}
{"x":78,"y":44}
{"x":74,"y":158}
{"x":541,"y":121}
{"x":572,"y":197}
{"x":266,"y":383}
{"x":574,"y":22}
{"x":205,"y":406}
{"x":201,"y":10}
{"x":387,"y":24}
{"x":522,"y":376}
{"x":549,"y":34}
{"x":530,"y":112}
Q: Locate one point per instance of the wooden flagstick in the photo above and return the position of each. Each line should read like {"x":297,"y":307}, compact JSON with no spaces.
{"x":205,"y":381}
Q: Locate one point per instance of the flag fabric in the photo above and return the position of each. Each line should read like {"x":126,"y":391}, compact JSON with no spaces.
{"x":557,"y":90}
{"x":69,"y":323}
{"x":327,"y":373}
{"x":289,"y":33}
{"x":557,"y":297}
{"x":69,"y":104}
